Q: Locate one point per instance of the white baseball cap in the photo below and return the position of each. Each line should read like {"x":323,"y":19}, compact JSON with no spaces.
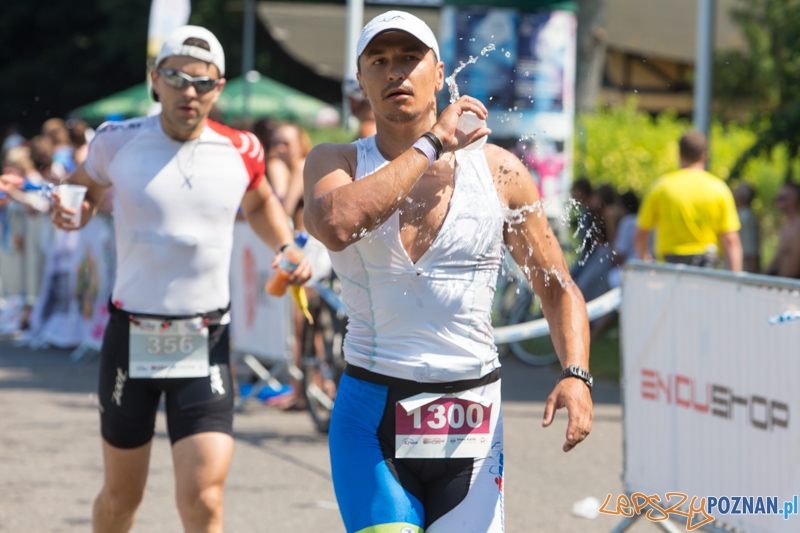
{"x":400,"y":21}
{"x":175,"y":45}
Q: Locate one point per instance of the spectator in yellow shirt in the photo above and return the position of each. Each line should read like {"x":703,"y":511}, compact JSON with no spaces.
{"x":692,"y":212}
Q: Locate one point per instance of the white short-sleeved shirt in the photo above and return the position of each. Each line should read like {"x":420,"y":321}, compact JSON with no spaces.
{"x":175,"y":205}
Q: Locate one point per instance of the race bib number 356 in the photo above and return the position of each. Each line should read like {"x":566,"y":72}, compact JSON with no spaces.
{"x":442,"y":426}
{"x":177,"y":350}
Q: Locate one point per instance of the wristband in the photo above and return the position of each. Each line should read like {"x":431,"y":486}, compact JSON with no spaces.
{"x":437,"y":144}
{"x":427,"y":149}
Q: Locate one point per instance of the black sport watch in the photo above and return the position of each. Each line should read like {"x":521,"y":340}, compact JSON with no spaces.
{"x":577,"y":372}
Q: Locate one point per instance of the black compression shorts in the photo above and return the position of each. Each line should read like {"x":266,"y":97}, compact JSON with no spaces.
{"x":194,"y":405}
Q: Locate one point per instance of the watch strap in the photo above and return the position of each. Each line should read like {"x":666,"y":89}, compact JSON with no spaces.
{"x":577,"y":372}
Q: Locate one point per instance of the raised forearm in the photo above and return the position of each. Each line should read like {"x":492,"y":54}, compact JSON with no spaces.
{"x":344,"y":214}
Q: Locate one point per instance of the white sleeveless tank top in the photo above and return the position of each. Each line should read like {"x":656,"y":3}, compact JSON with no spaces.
{"x":428,"y":321}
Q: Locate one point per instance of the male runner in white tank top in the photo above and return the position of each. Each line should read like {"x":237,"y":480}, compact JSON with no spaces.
{"x":179,"y":180}
{"x":416,"y":229}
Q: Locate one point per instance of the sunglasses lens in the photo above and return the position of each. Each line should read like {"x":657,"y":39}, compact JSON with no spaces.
{"x":176,"y":81}
{"x":203,"y":86}
{"x":179,"y":80}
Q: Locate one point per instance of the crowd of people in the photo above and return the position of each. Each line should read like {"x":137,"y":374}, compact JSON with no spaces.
{"x":29,"y":167}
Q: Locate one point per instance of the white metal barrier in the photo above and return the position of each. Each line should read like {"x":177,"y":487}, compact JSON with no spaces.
{"x":261,"y":329}
{"x":710,"y":392}
{"x":598,"y":307}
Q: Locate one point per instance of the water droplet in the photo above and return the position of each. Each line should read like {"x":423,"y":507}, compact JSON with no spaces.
{"x":508,"y":54}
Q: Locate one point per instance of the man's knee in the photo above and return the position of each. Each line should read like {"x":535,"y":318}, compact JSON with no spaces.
{"x":120,"y":503}
{"x":204,"y":504}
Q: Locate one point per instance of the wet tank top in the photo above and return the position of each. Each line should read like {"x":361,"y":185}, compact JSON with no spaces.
{"x":428,"y":321}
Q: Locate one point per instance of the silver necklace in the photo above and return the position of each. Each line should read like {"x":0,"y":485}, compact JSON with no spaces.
{"x":187,"y":176}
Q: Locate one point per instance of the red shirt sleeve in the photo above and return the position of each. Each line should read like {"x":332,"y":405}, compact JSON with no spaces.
{"x":249,"y":148}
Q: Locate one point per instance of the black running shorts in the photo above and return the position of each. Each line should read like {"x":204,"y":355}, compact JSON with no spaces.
{"x":194,"y":405}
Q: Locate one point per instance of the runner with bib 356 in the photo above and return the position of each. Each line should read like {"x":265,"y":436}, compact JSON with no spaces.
{"x":178,"y":180}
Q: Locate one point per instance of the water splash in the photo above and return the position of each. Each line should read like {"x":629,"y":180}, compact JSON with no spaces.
{"x":586,"y":234}
{"x":451,"y":80}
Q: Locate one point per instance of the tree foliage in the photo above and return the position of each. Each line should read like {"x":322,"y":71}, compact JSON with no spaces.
{"x":56,"y":55}
{"x":768,"y":74}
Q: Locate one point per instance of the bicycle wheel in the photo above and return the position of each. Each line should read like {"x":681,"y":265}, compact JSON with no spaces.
{"x":538,"y":351}
{"x":505,"y":297}
{"x":321,"y":376}
{"x":317,"y":380}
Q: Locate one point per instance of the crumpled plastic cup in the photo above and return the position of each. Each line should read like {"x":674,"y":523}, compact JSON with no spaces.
{"x":469,"y":122}
{"x":72,"y":196}
{"x":587,"y":508}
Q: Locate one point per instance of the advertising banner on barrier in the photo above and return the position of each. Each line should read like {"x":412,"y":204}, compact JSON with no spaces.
{"x":710,"y":367}
{"x":260,"y":323}
{"x":71,"y":308}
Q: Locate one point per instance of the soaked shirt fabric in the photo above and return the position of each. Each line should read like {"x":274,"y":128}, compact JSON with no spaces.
{"x":428,"y":321}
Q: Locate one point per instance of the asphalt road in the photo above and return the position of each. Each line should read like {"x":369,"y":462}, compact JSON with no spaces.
{"x":51,"y":468}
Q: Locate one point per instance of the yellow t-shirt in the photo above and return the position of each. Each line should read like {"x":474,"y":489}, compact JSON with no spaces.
{"x":689,"y":209}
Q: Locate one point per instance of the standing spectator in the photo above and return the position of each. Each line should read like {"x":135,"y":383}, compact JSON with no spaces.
{"x":290,"y":146}
{"x":42,"y":151}
{"x":79,"y":135}
{"x":13,"y":138}
{"x":592,"y":277}
{"x":32,"y":229}
{"x":263,"y":129}
{"x":786,"y":262}
{"x":692,"y":212}
{"x":748,"y":234}
{"x":607,"y":210}
{"x":621,"y":251}
{"x":623,"y":241}
{"x":360,"y":108}
{"x":56,"y":130}
{"x":581,"y":195}
{"x":288,"y":150}
{"x":17,"y":162}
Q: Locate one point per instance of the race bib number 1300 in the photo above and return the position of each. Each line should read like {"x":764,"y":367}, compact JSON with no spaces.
{"x":443,"y":426}
{"x":177,"y":349}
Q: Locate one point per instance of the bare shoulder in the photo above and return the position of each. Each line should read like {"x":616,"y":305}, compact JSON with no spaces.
{"x":327,"y":158}
{"x":514,"y":183}
{"x":791,"y":232}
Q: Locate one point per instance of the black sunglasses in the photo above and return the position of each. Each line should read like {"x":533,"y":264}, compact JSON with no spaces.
{"x":180,"y":80}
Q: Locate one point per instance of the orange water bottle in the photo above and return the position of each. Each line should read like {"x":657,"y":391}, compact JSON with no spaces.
{"x":292,"y":256}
